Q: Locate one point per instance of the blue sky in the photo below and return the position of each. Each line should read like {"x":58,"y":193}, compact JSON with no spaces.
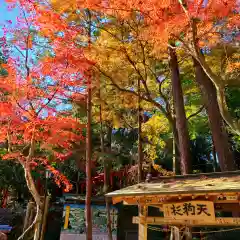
{"x":6,"y":14}
{"x":12,"y":14}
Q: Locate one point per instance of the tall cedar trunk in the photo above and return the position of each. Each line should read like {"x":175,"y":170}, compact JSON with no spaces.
{"x":181,"y":121}
{"x":217,"y":125}
{"x":88,"y":211}
{"x":176,"y":157}
{"x":140,"y":150}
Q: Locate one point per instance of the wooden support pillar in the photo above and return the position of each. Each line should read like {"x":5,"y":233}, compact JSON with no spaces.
{"x":142,"y":226}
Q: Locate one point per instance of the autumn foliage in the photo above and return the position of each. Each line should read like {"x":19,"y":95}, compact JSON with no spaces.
{"x":55,"y":49}
{"x":36,"y":90}
{"x":45,"y":73}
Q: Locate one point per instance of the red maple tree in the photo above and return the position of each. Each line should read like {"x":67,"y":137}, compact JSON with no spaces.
{"x":34,"y":94}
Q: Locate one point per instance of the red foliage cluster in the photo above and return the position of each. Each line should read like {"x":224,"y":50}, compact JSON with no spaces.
{"x":37,"y":88}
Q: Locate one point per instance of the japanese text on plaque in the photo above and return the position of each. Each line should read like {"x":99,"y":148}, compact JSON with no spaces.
{"x":189,"y":210}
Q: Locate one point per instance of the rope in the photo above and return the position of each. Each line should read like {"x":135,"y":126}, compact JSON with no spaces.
{"x":201,"y":232}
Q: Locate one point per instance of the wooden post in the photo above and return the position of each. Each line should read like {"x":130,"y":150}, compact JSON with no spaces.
{"x":142,"y":226}
{"x":45,"y":213}
{"x":109,"y":220}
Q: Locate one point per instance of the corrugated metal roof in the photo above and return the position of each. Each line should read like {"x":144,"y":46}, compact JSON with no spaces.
{"x":200,"y":183}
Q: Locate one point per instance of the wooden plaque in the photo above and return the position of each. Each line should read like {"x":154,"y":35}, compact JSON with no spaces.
{"x":197,"y":210}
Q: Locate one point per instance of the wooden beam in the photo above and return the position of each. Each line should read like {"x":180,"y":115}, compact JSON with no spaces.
{"x":227,"y":207}
{"x":164,"y":221}
{"x":225,"y":197}
{"x":117,"y":199}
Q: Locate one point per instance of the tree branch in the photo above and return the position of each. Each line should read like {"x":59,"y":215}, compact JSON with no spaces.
{"x":156,"y":104}
{"x":218,"y":81}
{"x":196,"y":113}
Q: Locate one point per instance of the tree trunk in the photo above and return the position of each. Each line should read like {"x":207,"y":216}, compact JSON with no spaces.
{"x":27,"y":219}
{"x":105,"y":162}
{"x":109,"y":161}
{"x":106,"y":159}
{"x":217,"y":125}
{"x":106,"y":173}
{"x":38,"y":216}
{"x":88,"y":165}
{"x":181,"y":121}
{"x":37,"y":228}
{"x":105,"y":187}
{"x":107,"y":182}
{"x":44,"y":219}
{"x":140,"y":149}
{"x":88,"y":210}
{"x":176,"y":157}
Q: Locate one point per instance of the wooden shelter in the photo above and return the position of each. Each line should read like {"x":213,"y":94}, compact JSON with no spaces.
{"x":190,"y":200}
